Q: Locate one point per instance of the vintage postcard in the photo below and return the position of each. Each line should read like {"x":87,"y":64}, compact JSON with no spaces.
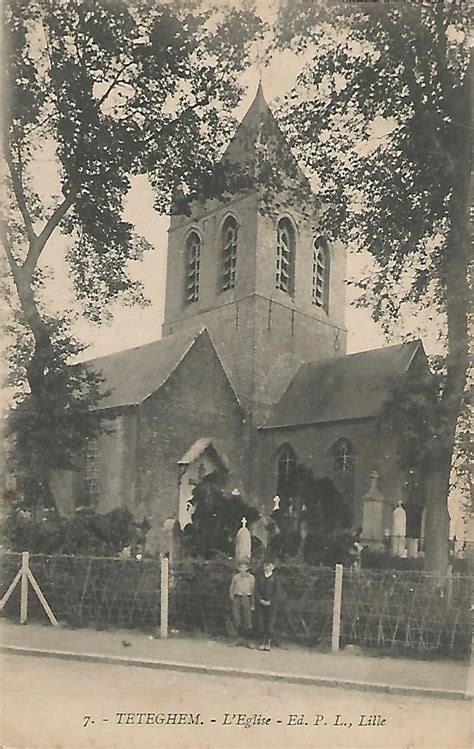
{"x":236,"y":504}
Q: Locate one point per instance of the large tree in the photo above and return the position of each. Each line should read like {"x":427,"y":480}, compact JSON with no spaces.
{"x":99,"y":91}
{"x":381,"y":117}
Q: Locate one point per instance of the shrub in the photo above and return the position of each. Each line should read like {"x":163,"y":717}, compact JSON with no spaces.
{"x":48,"y":532}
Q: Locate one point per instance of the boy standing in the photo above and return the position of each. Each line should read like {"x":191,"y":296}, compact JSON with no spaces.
{"x":242,"y":597}
{"x":267,"y":592}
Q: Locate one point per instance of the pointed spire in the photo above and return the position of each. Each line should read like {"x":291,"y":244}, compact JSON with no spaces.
{"x":241,"y":149}
{"x":259,"y":103}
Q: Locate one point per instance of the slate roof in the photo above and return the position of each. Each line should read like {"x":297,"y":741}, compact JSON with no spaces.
{"x":348,"y":387}
{"x":132,"y":375}
{"x":259,"y":126}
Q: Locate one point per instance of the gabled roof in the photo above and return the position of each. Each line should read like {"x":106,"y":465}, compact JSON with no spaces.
{"x":349,"y":387}
{"x":199,"y":447}
{"x":133,"y":375}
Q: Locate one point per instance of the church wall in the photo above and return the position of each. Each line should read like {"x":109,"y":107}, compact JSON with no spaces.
{"x":284,"y":339}
{"x":232,"y":333}
{"x":114,"y":469}
{"x":110,"y":462}
{"x":196,"y":402}
{"x":312,"y":444}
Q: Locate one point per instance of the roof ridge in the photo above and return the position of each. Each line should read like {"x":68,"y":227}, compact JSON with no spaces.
{"x":141,"y":346}
{"x":324,"y":390}
{"x":330,"y":359}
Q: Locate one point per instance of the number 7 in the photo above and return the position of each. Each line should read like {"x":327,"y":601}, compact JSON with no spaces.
{"x":86,"y":720}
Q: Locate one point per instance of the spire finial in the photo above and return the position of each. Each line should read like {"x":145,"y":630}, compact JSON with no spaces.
{"x":259,"y":102}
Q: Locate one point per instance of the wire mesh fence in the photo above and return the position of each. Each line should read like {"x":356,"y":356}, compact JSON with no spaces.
{"x":389,"y":611}
{"x":199,"y":600}
{"x":199,"y":597}
{"x":411,"y":612}
{"x":305,"y":610}
{"x":94,"y":591}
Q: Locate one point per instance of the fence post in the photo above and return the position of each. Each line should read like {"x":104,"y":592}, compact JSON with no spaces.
{"x":449,"y":583}
{"x":336,"y":609}
{"x":164,"y":576}
{"x":24,"y":587}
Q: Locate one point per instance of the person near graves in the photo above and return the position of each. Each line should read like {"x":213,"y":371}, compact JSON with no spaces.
{"x":242,"y":589}
{"x":356,"y":550}
{"x":267,"y":593}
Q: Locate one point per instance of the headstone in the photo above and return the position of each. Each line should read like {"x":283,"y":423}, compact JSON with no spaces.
{"x":399,"y":529}
{"x":372,"y":512}
{"x":243,"y":543}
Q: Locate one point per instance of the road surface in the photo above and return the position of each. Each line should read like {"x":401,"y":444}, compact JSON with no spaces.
{"x":54,"y":704}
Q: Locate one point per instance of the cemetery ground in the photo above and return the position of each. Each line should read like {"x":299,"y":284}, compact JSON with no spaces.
{"x":55,"y":680}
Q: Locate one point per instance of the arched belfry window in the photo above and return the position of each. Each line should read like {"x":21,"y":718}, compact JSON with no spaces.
{"x":320,"y":286}
{"x":193,"y":259}
{"x":285,"y":268}
{"x":343,"y":456}
{"x":229,"y":253}
{"x":286,"y":466}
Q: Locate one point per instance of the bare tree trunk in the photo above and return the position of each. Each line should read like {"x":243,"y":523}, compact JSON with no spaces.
{"x":456,"y":289}
{"x":437,"y":521}
{"x":36,"y":486}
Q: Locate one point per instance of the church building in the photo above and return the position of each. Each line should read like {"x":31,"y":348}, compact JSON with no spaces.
{"x":251,"y":375}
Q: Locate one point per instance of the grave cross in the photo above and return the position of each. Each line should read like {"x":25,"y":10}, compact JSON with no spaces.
{"x":374,"y":477}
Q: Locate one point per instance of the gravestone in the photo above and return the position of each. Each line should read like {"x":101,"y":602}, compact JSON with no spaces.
{"x":399,"y":529}
{"x":243,"y":543}
{"x":372,"y":513}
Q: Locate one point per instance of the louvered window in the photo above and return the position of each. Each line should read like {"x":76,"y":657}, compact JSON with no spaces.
{"x":320,"y":285}
{"x":285,"y":268}
{"x":193,"y":258}
{"x":229,"y":253}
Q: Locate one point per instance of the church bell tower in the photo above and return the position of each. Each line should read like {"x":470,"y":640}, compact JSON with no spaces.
{"x":266,"y":284}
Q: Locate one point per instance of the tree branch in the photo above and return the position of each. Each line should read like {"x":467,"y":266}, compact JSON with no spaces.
{"x":115,"y":81}
{"x":37,"y":246}
{"x":20,"y":196}
{"x":8,"y":249}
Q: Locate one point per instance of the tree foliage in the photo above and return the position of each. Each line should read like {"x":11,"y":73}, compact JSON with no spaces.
{"x":381,"y":117}
{"x":314,"y":522}
{"x":216,"y":518}
{"x":99,"y":92}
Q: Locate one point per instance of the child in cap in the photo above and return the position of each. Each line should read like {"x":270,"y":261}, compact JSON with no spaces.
{"x":241,"y":594}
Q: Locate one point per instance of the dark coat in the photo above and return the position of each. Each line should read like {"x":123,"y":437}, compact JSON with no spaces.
{"x":267,"y":588}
